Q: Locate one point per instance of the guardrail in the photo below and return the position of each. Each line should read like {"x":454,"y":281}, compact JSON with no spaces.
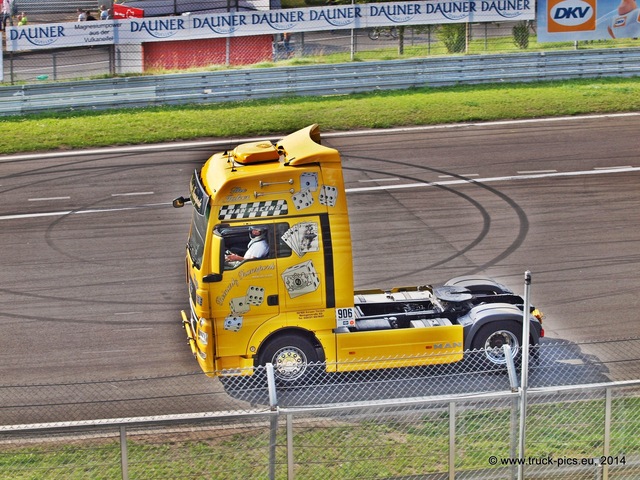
{"x":316,"y":80}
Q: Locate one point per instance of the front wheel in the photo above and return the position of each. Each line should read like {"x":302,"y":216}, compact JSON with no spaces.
{"x":490,"y":339}
{"x":292,"y":357}
{"x":374,"y":34}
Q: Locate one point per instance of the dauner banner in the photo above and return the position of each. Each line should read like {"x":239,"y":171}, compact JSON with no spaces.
{"x":569,"y":20}
{"x":190,"y":27}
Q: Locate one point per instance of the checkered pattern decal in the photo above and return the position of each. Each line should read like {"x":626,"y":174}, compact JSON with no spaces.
{"x":271,"y":208}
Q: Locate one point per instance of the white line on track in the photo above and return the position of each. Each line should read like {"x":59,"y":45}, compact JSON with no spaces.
{"x":363,"y":189}
{"x":132,"y":329}
{"x":460,"y":175}
{"x":44,"y":199}
{"x":388,"y":179}
{"x":494,"y":179}
{"x":612,"y":168}
{"x":530,"y":172}
{"x":68,"y":212}
{"x":97,"y":352}
{"x":132,"y":194}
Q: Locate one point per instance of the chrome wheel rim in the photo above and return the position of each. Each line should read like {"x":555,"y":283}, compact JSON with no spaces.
{"x":289,"y":363}
{"x":493,"y":346}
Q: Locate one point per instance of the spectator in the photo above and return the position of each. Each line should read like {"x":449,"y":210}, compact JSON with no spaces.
{"x":104,"y":13}
{"x":286,"y":43}
{"x":82,"y":16}
{"x":5,"y":16}
{"x":22,"y":19}
{"x":89,"y":16}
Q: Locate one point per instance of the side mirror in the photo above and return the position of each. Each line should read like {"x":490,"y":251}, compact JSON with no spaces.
{"x":179,"y":202}
{"x":217,"y":256}
{"x":212,"y":278}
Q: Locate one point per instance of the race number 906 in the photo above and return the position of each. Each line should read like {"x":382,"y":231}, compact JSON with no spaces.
{"x":345,"y":317}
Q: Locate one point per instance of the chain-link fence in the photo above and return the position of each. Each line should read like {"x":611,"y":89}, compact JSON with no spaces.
{"x":582,"y":421}
{"x":333,"y":47}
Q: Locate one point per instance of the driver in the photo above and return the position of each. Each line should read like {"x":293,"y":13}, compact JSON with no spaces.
{"x":258,"y":246}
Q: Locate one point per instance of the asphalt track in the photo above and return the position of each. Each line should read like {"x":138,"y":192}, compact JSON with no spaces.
{"x":92,"y":257}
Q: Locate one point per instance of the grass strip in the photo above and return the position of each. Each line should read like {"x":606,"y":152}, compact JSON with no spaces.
{"x":345,"y":447}
{"x":424,"y":106}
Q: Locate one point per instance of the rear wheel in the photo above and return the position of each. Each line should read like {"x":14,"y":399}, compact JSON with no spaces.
{"x":292,"y":357}
{"x":492,"y":337}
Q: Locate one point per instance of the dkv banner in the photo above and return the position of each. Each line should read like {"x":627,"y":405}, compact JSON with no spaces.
{"x":569,"y":20}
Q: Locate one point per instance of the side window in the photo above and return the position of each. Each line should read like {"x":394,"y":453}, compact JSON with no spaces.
{"x":246,"y":243}
{"x":254,"y":242}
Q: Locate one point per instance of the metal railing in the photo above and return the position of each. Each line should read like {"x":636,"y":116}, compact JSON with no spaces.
{"x":462,"y":436}
{"x":455,"y":421}
{"x":338,"y":79}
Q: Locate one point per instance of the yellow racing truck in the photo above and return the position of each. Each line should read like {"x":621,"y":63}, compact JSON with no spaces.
{"x":270,"y":277}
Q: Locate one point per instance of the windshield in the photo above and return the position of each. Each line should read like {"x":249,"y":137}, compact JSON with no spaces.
{"x":198,"y":233}
{"x":197,"y":236}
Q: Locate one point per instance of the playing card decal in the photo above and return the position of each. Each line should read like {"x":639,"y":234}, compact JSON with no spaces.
{"x":301,"y":279}
{"x":302,"y":238}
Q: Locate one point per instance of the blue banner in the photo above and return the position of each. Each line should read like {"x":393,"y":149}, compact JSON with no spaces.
{"x":192,"y":27}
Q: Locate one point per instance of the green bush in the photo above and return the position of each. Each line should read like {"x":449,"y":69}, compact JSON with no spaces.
{"x":521,"y":35}
{"x":452,"y":35}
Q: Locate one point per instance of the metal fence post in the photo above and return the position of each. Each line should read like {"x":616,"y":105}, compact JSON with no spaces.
{"x":124,"y":458}
{"x":524,"y":381}
{"x":290,"y":472}
{"x":511,"y":367}
{"x":112,"y":60}
{"x":607,"y":432}
{"x":513,"y":438}
{"x":273,"y":403}
{"x":513,"y":382}
{"x":452,"y":440}
{"x":54,"y":65}
{"x":11,"y":68}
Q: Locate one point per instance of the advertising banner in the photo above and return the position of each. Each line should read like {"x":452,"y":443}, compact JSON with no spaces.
{"x":192,"y":27}
{"x":122,"y":11}
{"x":570,"y":20}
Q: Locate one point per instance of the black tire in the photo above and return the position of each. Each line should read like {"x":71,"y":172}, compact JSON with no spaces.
{"x":292,"y":356}
{"x":488,"y":342}
{"x":393,"y":32}
{"x":374,"y":33}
